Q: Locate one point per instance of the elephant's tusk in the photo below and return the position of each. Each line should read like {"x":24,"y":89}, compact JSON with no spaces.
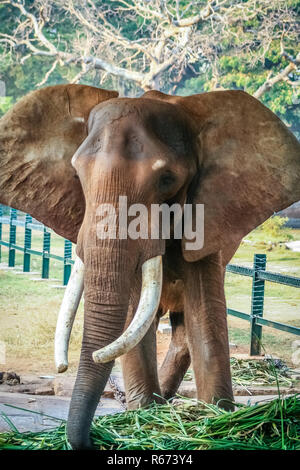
{"x":145,"y":314}
{"x":67,"y":314}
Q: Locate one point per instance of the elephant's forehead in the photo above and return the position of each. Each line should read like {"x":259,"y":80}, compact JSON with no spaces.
{"x":138,"y":110}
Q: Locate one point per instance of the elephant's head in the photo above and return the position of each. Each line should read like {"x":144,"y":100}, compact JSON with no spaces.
{"x":68,"y":151}
{"x":139,"y":149}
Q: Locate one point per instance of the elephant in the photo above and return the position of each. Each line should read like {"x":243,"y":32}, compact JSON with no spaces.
{"x":67,"y":149}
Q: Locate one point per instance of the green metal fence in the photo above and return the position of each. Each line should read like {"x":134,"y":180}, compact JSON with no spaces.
{"x":29,"y":225}
{"x":259,"y":276}
{"x":258,"y":273}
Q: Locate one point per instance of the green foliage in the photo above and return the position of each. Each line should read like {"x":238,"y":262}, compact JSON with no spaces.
{"x":240,"y":55}
{"x":272,"y":230}
{"x":245,"y":61}
{"x":274,"y":227}
{"x":5,"y":103}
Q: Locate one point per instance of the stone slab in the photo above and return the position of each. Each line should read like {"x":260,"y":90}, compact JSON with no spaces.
{"x":188,"y":389}
{"x":25,"y":411}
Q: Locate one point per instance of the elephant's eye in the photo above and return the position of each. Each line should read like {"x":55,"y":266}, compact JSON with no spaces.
{"x":166,"y":181}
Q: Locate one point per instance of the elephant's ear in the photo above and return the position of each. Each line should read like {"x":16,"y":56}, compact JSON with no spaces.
{"x":248,"y":165}
{"x":38,"y":138}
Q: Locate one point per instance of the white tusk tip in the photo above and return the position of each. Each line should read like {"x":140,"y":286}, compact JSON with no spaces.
{"x":67,"y":314}
{"x":62,"y":368}
{"x":98,"y":358}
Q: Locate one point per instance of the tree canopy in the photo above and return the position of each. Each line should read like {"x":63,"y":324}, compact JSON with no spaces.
{"x":176,"y":46}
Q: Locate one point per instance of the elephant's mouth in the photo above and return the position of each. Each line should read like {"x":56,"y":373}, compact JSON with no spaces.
{"x":144,"y":316}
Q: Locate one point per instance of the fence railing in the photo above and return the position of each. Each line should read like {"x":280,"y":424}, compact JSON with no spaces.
{"x":30,"y":225}
{"x":259,"y":276}
{"x":258,"y":273}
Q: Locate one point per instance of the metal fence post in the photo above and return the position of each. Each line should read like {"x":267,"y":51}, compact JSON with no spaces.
{"x":67,"y":259}
{"x":46,"y":252}
{"x":257,"y":304}
{"x":27,"y":244}
{"x":12,"y":238}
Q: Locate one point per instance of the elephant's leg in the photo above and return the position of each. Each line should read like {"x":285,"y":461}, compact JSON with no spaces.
{"x":139,"y":365}
{"x":206,"y":326}
{"x":140,"y":372}
{"x":177,"y":359}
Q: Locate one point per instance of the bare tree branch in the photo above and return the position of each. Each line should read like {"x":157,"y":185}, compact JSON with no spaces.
{"x":42,"y":82}
{"x":36,"y":26}
{"x":283,"y":75}
{"x":170,"y":37}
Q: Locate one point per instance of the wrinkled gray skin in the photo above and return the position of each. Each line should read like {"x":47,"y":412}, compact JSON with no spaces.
{"x":222,"y":149}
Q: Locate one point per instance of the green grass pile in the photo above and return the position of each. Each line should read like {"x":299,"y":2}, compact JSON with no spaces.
{"x":189,"y":426}
{"x":251,"y":372}
{"x":258,"y":372}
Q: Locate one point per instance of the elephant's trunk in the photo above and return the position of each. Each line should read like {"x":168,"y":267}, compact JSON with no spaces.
{"x":110,"y":268}
{"x":144,"y":316}
{"x":108,"y":273}
{"x":146,"y":311}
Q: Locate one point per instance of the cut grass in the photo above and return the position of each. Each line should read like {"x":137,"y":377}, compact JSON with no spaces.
{"x":255,"y":373}
{"x":249,"y":373}
{"x":273,"y":425}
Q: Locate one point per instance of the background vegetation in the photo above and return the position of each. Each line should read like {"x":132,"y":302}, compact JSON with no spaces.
{"x":176,"y":46}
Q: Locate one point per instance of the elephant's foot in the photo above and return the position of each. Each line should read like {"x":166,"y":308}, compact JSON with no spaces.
{"x":137,"y":400}
{"x":173,"y":371}
{"x":218,"y":392}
